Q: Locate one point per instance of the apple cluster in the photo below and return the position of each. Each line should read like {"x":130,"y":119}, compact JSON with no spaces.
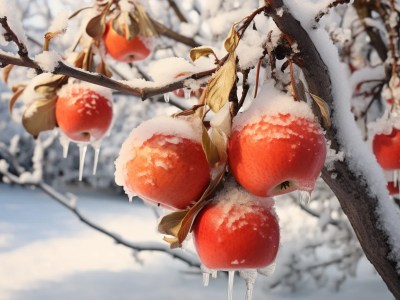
{"x":275,"y":147}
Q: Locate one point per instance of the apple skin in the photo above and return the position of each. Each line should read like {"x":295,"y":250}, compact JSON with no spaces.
{"x":386,"y":148}
{"x":393,"y":190}
{"x":238,"y":234}
{"x":121,"y":49}
{"x":83,"y":115}
{"x":171,"y":174}
{"x":277,"y":154}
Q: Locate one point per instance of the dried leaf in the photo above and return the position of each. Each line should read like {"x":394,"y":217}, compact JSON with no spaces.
{"x":88,"y":59}
{"x":40,"y":116}
{"x":96,"y":27}
{"x":300,"y":90}
{"x":221,"y":83}
{"x":231,"y":40}
{"x":103,"y":68}
{"x":79,"y":60}
{"x":78,"y":11}
{"x":219,"y":139}
{"x":191,"y":215}
{"x":131,"y":26}
{"x":209,"y":148}
{"x":6,"y":72}
{"x":146,"y":26}
{"x":15,"y":97}
{"x":49,"y":88}
{"x":198,"y":52}
{"x":324,"y":108}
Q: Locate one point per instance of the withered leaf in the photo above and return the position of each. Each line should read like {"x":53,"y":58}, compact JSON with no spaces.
{"x":88,"y":59}
{"x":146,"y":26}
{"x":196,"y":53}
{"x":231,"y":40}
{"x":78,"y":11}
{"x":40,"y":116}
{"x":324,"y":108}
{"x":103,"y":68}
{"x":221,"y":83}
{"x":219,"y":139}
{"x":14,"y":98}
{"x":191,"y":215}
{"x":49,"y":87}
{"x":209,"y":148}
{"x":6,"y":72}
{"x":96,"y":27}
{"x":79,"y":60}
{"x":300,"y":90}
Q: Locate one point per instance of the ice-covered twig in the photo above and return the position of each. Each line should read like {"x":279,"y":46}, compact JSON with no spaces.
{"x":11,"y":36}
{"x":331,"y":5}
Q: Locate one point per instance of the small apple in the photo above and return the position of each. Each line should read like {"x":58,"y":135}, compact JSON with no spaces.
{"x":386,"y":148}
{"x":237,"y":230}
{"x":84,"y":112}
{"x":181,"y":92}
{"x":122,"y":49}
{"x":277,"y":154}
{"x":163,"y":162}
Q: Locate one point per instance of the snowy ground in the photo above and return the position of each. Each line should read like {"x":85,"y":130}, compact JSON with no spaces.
{"x":46,"y":253}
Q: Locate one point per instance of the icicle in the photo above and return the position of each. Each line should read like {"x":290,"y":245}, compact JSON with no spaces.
{"x":206,"y":278}
{"x":269,"y":270}
{"x":214,"y":274}
{"x":304,"y":197}
{"x":166,"y":97}
{"x":64,"y":141}
{"x":395,"y":178}
{"x":96,"y":147}
{"x":250,"y":277}
{"x":82,"y":154}
{"x":231,"y":276}
{"x":187,"y":93}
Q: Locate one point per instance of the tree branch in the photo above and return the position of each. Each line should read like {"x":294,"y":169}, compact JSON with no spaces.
{"x":352,"y":193}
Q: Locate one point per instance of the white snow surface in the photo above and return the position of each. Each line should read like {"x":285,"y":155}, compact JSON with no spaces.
{"x":360,"y":158}
{"x":68,"y":89}
{"x":48,"y":60}
{"x":180,"y":128}
{"x":46,"y":253}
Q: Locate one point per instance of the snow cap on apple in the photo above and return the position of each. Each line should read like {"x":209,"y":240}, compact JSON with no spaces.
{"x":163,"y":162}
{"x":237,"y":230}
{"x":276,"y":145}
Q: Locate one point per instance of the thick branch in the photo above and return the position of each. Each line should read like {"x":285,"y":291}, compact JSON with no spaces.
{"x":354,"y":197}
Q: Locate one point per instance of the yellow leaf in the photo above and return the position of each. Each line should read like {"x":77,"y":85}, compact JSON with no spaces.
{"x":231,"y":40}
{"x":196,"y":53}
{"x":324,"y":108}
{"x":6,"y":72}
{"x":219,"y":139}
{"x":49,"y":87}
{"x":15,"y":97}
{"x":146,"y":26}
{"x":209,"y":148}
{"x":220,"y":84}
{"x":40,"y":116}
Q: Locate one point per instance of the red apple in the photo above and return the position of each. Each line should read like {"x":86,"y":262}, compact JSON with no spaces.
{"x":84,"y":114}
{"x":393,"y":190}
{"x":386,"y":148}
{"x":163,"y":162}
{"x":237,"y":231}
{"x":122,"y":49}
{"x":277,"y":154}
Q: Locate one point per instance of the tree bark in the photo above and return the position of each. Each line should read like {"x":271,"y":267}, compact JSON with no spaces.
{"x":355,"y":200}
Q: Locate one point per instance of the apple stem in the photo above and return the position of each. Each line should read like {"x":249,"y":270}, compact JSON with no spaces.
{"x":231,"y":276}
{"x":82,"y":154}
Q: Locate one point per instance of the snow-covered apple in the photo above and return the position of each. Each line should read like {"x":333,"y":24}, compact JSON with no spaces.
{"x":122,"y":49}
{"x":84,"y":112}
{"x":386,"y":148}
{"x":276,"y":145}
{"x":237,"y":230}
{"x":163,"y":162}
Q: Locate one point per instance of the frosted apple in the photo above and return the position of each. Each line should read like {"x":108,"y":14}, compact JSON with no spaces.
{"x":237,"y":231}
{"x":84,"y":112}
{"x":386,"y":148}
{"x":276,"y":145}
{"x":122,"y":49}
{"x":163,"y":162}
